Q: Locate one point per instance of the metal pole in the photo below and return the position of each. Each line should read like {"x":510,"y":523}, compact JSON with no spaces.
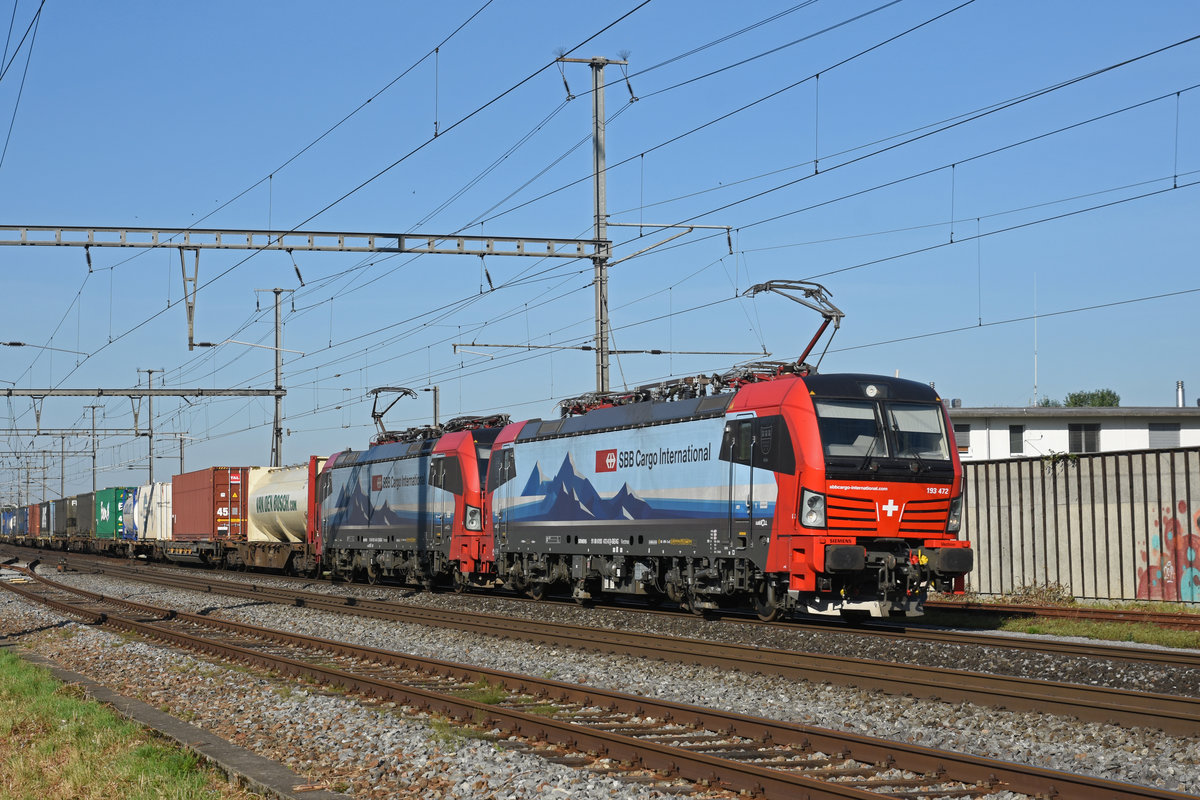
{"x":181,"y":455}
{"x":150,"y":424}
{"x":93,"y":408}
{"x":277,"y":440}
{"x":436,"y":393}
{"x":600,"y":260}
{"x":62,"y":466}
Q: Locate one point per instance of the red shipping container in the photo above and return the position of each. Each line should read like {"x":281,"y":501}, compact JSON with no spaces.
{"x":210,"y":505}
{"x":35,"y":520}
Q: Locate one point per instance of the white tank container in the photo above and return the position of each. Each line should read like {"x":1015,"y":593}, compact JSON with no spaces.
{"x":147,"y":511}
{"x":278,"y":504}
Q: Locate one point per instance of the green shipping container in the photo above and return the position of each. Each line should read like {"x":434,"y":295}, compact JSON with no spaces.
{"x":108,"y":517}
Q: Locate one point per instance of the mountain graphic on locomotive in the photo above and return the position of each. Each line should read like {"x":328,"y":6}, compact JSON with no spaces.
{"x":769,"y":487}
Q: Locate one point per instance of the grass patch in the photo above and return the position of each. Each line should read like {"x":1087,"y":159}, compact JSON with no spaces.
{"x":1141,"y":633}
{"x":483,"y":692}
{"x":451,"y":735}
{"x":56,"y":745}
{"x":446,"y":733}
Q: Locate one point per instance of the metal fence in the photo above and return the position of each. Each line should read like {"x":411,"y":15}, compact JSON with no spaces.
{"x":1119,"y":526}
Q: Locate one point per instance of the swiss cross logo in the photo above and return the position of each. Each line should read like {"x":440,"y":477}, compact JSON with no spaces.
{"x":606,"y":461}
{"x":376,"y":483}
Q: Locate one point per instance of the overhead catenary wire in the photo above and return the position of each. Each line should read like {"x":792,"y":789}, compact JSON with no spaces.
{"x":709,"y":305}
{"x":851,"y":57}
{"x":467,"y":117}
{"x":740,"y":109}
{"x":21,"y":90}
{"x":876,"y":46}
{"x":28,"y":30}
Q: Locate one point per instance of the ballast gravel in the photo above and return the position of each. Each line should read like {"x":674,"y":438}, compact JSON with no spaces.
{"x":378,"y":752}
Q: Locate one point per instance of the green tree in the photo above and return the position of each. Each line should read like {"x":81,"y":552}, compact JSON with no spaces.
{"x":1094,"y":398}
{"x":1049,"y":402}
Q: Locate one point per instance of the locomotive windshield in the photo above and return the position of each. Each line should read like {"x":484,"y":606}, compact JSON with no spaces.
{"x":866,"y":430}
{"x":918,"y":430}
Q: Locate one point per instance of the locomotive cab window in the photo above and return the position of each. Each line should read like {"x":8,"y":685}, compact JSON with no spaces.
{"x":763,"y":442}
{"x":483,"y":451}
{"x":445,"y":473}
{"x":850,"y":428}
{"x":919,"y":432}
{"x":501,"y":469}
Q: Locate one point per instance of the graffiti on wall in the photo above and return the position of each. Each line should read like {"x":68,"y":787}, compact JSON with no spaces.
{"x":1170,"y":570}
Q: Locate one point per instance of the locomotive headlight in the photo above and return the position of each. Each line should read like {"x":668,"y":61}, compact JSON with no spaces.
{"x":812,"y":509}
{"x":474,"y":519}
{"x":954,"y":522}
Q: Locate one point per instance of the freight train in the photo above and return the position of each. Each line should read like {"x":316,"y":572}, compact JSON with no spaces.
{"x":770,"y":487}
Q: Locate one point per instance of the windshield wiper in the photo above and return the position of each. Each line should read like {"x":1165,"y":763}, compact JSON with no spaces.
{"x":870,"y":451}
{"x":920,"y":465}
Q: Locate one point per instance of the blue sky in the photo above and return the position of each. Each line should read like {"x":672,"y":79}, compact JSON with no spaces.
{"x":1047,"y":137}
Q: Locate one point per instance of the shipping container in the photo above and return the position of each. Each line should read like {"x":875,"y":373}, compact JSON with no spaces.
{"x":60,"y":511}
{"x":84,"y":522}
{"x":107,"y":517}
{"x":281,"y":505}
{"x":34,"y":528}
{"x":209,"y":505}
{"x":21,"y":526}
{"x":8,"y":522}
{"x":147,"y":512}
{"x":45,"y":519}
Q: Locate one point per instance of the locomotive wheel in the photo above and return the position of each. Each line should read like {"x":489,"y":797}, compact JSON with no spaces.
{"x":767,"y":612}
{"x":766,"y":606}
{"x":459,"y":581}
{"x":372,"y":573}
{"x":537,"y":591}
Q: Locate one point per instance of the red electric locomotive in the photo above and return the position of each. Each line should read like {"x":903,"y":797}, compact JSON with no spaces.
{"x":819,"y":494}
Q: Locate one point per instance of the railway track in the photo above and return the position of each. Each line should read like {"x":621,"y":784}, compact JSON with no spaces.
{"x":1179,"y":620}
{"x":1170,"y":713}
{"x":898,"y":631}
{"x":736,"y":752}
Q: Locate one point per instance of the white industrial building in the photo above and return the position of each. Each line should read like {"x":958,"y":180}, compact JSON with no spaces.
{"x":996,"y":433}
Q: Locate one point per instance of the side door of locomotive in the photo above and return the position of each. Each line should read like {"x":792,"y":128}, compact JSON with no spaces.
{"x":500,"y":487}
{"x":441,"y":501}
{"x":737,"y":447}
